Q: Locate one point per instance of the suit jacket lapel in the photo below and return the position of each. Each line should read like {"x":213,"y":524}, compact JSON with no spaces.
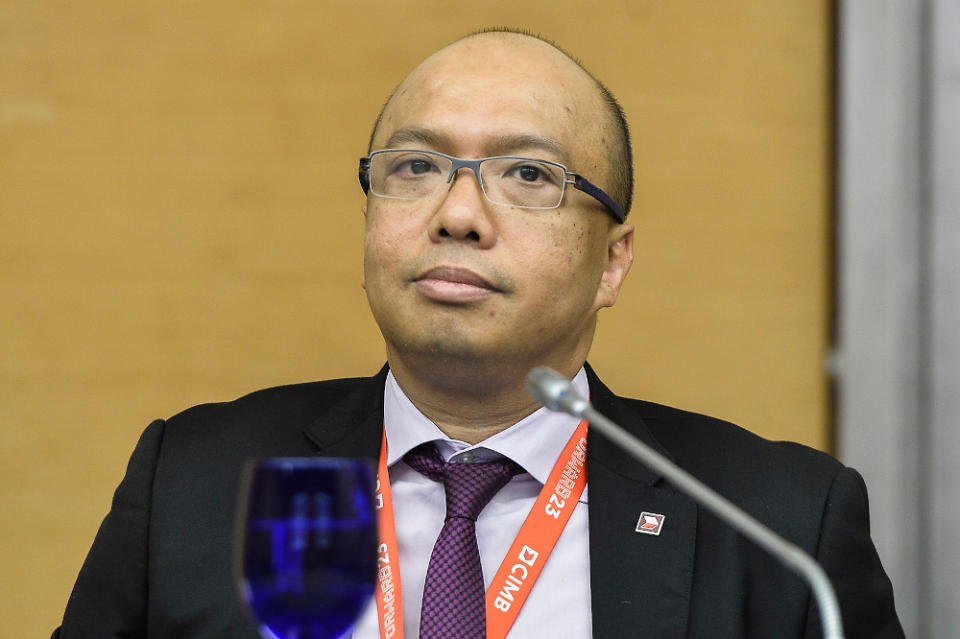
{"x":352,"y":426}
{"x":640,"y":583}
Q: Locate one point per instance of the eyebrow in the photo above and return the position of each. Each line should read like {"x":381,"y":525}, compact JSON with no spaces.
{"x":416,"y":135}
{"x":509,"y":144}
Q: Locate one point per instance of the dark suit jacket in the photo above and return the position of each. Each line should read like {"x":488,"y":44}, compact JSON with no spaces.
{"x":161,"y":564}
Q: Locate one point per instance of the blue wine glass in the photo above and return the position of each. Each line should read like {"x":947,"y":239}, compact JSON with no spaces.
{"x":307,"y":558}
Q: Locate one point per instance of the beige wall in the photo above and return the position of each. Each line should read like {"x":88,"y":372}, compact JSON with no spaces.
{"x":181,"y":222}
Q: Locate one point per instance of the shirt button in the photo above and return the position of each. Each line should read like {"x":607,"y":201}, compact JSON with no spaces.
{"x":466,"y":458}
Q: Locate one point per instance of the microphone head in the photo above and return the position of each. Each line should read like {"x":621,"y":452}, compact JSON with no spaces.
{"x":555,"y":391}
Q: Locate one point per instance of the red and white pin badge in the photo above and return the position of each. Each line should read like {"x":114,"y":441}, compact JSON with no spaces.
{"x":650,"y":523}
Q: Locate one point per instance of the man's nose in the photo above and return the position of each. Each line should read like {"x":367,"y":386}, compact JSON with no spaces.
{"x":464,"y":212}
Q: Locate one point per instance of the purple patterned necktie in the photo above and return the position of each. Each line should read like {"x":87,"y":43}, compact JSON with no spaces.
{"x":453,"y":599}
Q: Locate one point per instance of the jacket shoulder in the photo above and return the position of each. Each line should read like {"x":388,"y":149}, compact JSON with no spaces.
{"x":289,"y":402}
{"x":704,"y":441}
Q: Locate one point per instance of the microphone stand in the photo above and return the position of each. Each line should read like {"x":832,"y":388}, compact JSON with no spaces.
{"x":556,"y":392}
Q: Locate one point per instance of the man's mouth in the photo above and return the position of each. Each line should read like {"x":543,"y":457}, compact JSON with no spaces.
{"x":454,"y":284}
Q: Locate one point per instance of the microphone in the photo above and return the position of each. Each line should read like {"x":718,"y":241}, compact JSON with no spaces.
{"x":557,"y":393}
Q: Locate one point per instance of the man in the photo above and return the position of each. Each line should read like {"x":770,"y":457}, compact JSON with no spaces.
{"x":476,"y":273}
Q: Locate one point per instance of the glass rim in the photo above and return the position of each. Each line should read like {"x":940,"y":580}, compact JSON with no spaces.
{"x":555,"y":168}
{"x":578,"y":181}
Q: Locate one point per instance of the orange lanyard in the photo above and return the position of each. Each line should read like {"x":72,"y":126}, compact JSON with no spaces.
{"x":524,"y":561}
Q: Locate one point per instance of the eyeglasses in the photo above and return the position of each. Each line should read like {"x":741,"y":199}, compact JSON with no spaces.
{"x":528,"y":183}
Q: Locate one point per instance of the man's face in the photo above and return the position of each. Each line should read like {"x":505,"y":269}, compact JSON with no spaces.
{"x":458,"y":277}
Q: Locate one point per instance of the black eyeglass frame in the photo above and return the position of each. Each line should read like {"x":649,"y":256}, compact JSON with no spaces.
{"x":574,"y":179}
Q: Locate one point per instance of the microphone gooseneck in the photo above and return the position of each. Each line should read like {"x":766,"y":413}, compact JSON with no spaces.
{"x":557,"y":393}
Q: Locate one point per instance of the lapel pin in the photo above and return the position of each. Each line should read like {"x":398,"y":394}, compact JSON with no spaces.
{"x":650,"y":523}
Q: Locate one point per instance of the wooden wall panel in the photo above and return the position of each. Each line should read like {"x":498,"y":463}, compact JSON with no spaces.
{"x":180,"y":222}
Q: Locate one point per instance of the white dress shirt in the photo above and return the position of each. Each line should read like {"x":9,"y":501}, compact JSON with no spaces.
{"x":559,"y":604}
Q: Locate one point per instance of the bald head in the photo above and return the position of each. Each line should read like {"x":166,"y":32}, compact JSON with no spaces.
{"x":514,"y":70}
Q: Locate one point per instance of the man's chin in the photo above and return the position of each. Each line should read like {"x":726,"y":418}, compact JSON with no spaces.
{"x":453,"y":355}
{"x":455,"y":350}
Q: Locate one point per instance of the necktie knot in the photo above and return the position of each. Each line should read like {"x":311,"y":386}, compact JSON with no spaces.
{"x":469,"y":487}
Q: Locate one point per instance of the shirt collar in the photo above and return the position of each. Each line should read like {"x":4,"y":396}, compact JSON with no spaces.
{"x":535,"y":442}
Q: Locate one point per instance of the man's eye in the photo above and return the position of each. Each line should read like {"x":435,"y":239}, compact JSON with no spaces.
{"x":414,"y":166}
{"x":419,"y":166}
{"x":529,"y":173}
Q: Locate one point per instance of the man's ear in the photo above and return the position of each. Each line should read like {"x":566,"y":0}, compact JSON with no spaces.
{"x":619,"y":260}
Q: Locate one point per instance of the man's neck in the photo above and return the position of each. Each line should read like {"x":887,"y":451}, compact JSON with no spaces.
{"x":469,"y":410}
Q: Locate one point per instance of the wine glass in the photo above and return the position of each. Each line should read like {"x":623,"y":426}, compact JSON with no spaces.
{"x":307,"y":554}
